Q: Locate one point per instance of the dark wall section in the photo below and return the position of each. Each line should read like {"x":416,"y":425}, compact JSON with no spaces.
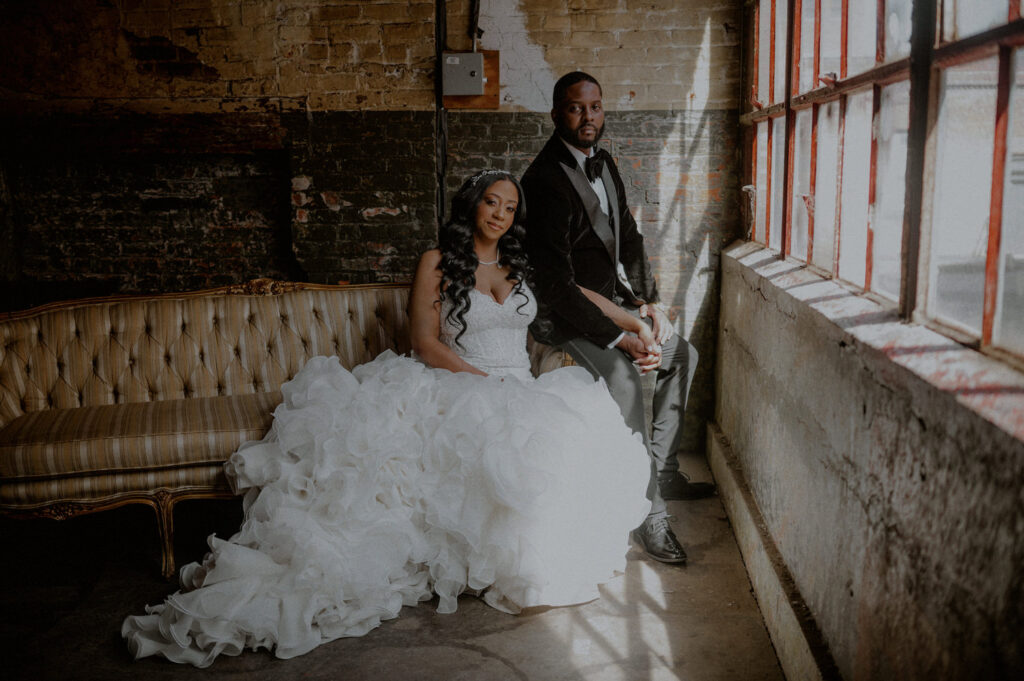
{"x":147,"y":203}
{"x":363,"y":193}
{"x":505,"y":141}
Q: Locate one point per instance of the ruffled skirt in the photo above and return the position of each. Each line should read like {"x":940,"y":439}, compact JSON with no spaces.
{"x":395,"y":482}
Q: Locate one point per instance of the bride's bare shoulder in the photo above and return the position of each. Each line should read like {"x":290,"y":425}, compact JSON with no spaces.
{"x":428,"y":272}
{"x":430,"y":260}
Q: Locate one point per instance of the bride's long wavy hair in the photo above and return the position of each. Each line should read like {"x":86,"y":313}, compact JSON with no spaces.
{"x":459,"y":260}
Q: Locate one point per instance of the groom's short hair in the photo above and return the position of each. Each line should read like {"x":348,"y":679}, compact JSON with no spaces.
{"x":567,"y":81}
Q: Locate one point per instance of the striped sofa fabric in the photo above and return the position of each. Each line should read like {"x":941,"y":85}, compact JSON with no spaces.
{"x":121,"y":400}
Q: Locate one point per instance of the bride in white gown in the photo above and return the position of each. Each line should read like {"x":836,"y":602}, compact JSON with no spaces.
{"x":454,"y":471}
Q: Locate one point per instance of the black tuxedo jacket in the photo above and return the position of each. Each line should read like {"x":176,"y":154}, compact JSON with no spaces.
{"x":565,"y":249}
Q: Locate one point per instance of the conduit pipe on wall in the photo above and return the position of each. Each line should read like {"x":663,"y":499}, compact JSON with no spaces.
{"x":440,"y":113}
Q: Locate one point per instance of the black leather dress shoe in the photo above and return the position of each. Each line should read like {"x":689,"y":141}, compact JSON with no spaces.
{"x":676,"y":486}
{"x":659,"y":541}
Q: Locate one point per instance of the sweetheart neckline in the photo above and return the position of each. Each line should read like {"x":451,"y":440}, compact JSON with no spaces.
{"x":494,"y":300}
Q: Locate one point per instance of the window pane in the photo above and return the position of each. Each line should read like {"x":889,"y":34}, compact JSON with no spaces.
{"x":862,"y":34}
{"x":761,"y":182}
{"x":831,"y":36}
{"x":806,"y":46}
{"x":825,"y":185}
{"x":778,"y":181}
{"x":853,"y":228}
{"x":1009,"y":323}
{"x":897,"y":29}
{"x":780,"y":49}
{"x":887,"y":223}
{"x":963,"y":179}
{"x":961,"y":18}
{"x":801,"y":183}
{"x":764,"y":36}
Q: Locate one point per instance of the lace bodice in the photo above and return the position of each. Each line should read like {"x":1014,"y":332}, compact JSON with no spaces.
{"x":495,"y":337}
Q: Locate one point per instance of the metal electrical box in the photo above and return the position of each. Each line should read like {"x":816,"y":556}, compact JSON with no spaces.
{"x":462,"y":73}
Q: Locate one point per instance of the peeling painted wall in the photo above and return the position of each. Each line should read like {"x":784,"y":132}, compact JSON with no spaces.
{"x":888,"y":463}
{"x":648,"y":55}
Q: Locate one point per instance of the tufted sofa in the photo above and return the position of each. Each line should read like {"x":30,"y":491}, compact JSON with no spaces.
{"x":118,"y":400}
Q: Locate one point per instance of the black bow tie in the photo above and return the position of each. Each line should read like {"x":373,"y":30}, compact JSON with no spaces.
{"x":593,"y":166}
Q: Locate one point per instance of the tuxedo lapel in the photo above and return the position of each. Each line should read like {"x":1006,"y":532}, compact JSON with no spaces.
{"x":613,"y":205}
{"x":603,"y":228}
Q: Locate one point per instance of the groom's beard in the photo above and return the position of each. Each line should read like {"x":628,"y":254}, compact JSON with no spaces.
{"x":572,"y":135}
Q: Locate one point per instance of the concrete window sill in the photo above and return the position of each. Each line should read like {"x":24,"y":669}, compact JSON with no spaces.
{"x":989,"y":388}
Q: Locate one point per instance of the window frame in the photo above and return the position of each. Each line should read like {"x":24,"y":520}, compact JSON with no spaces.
{"x":929,"y":56}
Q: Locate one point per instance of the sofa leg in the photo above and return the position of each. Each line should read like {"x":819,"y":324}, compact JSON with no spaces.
{"x":165,"y":526}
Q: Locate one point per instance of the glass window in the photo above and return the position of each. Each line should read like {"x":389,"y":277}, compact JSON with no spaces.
{"x":890,"y":183}
{"x":761,"y":201}
{"x":831,"y":36}
{"x":801,"y":197}
{"x":853,"y":225}
{"x":861,"y":37}
{"x":831,"y":177}
{"x":825,"y":184}
{"x":806,"y":46}
{"x":764,"y":50}
{"x":960,"y":204}
{"x":778,"y":181}
{"x":897,"y":29}
{"x":961,"y":18}
{"x":780,"y":49}
{"x":1008,"y":330}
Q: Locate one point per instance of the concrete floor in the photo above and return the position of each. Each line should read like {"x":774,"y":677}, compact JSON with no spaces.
{"x":67,"y":585}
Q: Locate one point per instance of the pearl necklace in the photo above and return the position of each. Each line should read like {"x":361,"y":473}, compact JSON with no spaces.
{"x":489,"y":262}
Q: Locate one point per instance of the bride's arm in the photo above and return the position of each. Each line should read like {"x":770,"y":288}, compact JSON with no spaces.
{"x":622,"y":319}
{"x":425,"y":318}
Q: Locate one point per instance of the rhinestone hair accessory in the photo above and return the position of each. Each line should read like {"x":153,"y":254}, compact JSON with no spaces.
{"x":484,"y":173}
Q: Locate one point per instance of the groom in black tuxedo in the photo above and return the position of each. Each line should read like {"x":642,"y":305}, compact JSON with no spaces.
{"x":589,"y":266}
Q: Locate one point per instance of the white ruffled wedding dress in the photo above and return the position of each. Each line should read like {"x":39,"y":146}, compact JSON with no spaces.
{"x":384,"y":486}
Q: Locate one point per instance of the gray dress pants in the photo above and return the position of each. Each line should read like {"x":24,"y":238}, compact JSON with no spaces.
{"x":671,"y":388}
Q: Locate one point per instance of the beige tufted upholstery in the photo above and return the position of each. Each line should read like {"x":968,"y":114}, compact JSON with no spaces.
{"x":205,"y":344}
{"x":121,"y":400}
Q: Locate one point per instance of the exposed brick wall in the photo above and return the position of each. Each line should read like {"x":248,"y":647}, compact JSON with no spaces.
{"x":97,"y":217}
{"x":363,"y":194}
{"x":650,"y":55}
{"x":144,"y":203}
{"x":138,"y":80}
{"x":204,"y":56}
{"x":254,"y":55}
{"x":507,"y":141}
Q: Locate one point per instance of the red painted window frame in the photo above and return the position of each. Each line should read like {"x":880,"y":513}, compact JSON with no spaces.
{"x":995,"y":221}
{"x":1001,"y":40}
{"x":943,"y":54}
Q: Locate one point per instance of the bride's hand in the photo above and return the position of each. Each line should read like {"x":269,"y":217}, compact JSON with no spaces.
{"x":646,"y":335}
{"x":662,"y":326}
{"x":645,"y":360}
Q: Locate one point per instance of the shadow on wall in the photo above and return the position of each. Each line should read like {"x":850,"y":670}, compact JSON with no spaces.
{"x":691,"y":211}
